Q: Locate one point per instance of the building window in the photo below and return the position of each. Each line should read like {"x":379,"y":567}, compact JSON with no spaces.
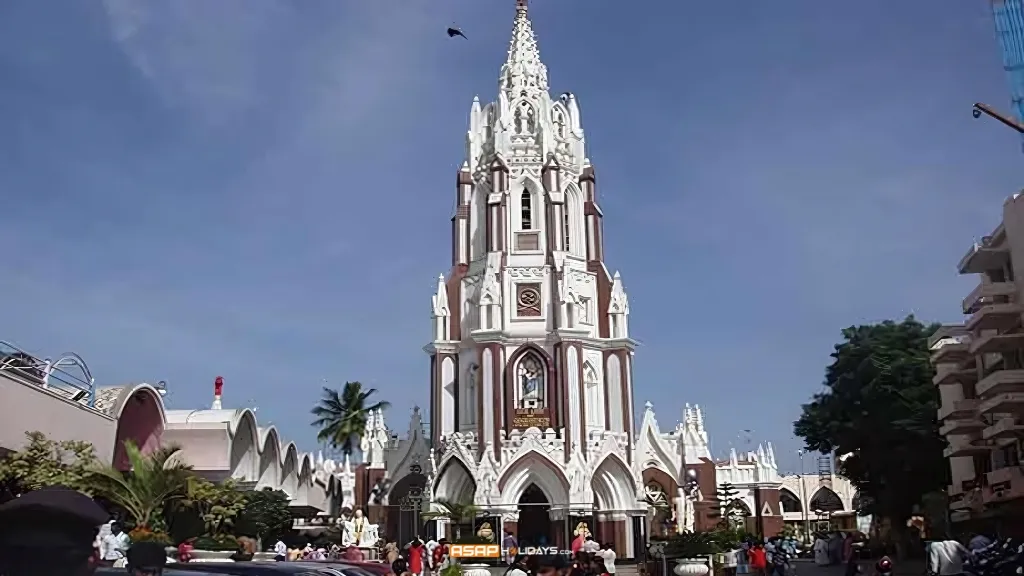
{"x":528,"y":300}
{"x":526,"y":202}
{"x":531,"y":379}
{"x":585,"y":316}
{"x":565,"y":226}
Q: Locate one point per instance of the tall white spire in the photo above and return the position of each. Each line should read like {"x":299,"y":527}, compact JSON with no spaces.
{"x":523,"y":71}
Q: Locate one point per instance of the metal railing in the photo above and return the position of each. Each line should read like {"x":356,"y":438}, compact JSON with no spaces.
{"x":55,"y":376}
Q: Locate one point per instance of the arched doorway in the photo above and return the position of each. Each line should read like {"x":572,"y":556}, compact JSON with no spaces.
{"x":405,"y":507}
{"x":534,"y":525}
{"x":140,"y":420}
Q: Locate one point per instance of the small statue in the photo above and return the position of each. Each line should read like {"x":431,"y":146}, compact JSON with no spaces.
{"x":486,"y":532}
{"x":359,"y":532}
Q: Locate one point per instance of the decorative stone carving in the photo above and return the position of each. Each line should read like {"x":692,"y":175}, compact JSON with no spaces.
{"x":486,"y":479}
{"x":526,"y":273}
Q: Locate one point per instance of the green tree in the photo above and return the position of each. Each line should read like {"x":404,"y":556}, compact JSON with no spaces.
{"x":44,"y":462}
{"x":457,"y":512}
{"x":155,"y":481}
{"x":878,"y":411}
{"x":341,"y":417}
{"x":728,"y":506}
{"x":217,"y":505}
{"x":266,"y":515}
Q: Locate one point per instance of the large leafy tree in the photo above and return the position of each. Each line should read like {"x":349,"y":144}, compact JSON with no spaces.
{"x":341,"y":416}
{"x":878,"y":413}
{"x":266,"y":515}
{"x":156,"y":480}
{"x":44,"y":462}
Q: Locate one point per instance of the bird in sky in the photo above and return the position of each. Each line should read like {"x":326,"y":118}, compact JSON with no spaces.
{"x":453,"y":32}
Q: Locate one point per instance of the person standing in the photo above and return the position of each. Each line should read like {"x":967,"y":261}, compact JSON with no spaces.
{"x":850,"y":554}
{"x":416,"y":552}
{"x":114,"y":545}
{"x":607,"y":553}
{"x":49,"y":532}
{"x":280,"y":551}
{"x":146,"y":559}
{"x":758,"y":559}
{"x":511,"y":547}
{"x":820,"y":550}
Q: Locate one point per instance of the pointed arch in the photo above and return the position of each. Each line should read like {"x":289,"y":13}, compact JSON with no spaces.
{"x":455,"y":483}
{"x":533,"y":467}
{"x":524,"y":118}
{"x":244,"y":446}
{"x":139,"y":411}
{"x":594,"y":396}
{"x":572,"y":224}
{"x":826,"y":500}
{"x":290,"y":471}
{"x":560,"y":120}
{"x":742,"y":507}
{"x":613,"y":485}
{"x":512,"y":377}
{"x":270,"y":458}
{"x":789,"y":502}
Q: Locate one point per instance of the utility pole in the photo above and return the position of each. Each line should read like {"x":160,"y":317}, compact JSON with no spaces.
{"x":803,"y":498}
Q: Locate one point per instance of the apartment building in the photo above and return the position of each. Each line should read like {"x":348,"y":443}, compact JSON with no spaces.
{"x":979,"y":370}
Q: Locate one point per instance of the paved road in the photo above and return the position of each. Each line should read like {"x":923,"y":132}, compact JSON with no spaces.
{"x":808,"y":568}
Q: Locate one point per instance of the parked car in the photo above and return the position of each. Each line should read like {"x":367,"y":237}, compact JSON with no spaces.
{"x":247,"y":568}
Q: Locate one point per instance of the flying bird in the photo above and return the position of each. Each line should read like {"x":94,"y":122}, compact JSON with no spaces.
{"x":453,"y":32}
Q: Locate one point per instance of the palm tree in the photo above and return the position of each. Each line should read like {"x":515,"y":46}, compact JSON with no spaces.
{"x":154,"y":481}
{"x":458,"y":513}
{"x":341,"y":417}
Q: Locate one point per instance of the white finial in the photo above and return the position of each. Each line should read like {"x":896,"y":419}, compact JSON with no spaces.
{"x":687,"y":413}
{"x":648,"y":406}
{"x":523,"y":71}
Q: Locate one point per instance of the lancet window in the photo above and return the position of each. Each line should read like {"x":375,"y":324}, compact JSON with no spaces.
{"x":526,"y":200}
{"x":531,"y":380}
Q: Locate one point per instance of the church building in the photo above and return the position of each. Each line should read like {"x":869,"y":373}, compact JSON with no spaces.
{"x":531,"y":403}
{"x":531,"y":414}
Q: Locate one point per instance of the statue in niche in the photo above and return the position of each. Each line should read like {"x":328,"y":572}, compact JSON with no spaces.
{"x":359,"y":532}
{"x":531,"y":122}
{"x":531,"y":383}
{"x":519,"y":120}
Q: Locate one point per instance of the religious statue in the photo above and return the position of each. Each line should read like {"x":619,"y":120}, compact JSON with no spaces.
{"x":486,"y":532}
{"x":531,"y":378}
{"x":359,"y":532}
{"x":581,"y":530}
{"x":689,"y":517}
{"x":470,"y":403}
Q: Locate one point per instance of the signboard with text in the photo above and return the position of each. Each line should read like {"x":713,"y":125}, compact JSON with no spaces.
{"x":531,"y":418}
{"x":496,"y":551}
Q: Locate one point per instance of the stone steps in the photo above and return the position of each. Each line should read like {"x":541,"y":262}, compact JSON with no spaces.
{"x":626,"y":570}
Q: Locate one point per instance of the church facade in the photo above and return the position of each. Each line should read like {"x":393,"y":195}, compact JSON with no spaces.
{"x":531,"y":360}
{"x":531,"y":414}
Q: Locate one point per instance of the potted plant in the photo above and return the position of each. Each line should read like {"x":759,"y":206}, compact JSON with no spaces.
{"x":691,"y":551}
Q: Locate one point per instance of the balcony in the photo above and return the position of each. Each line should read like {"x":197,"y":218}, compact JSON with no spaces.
{"x":988,"y":293}
{"x":966,"y":449}
{"x":996,"y":316}
{"x":949,"y":350}
{"x":948,"y":373}
{"x":1004,"y":429}
{"x":1002,"y":403}
{"x":961,"y":426}
{"x":1001,"y":381}
{"x":990,"y":254}
{"x":959,"y":409}
{"x":1003,"y":484}
{"x":995,"y":343}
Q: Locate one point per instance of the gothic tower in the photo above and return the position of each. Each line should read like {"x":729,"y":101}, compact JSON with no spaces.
{"x":531,"y":332}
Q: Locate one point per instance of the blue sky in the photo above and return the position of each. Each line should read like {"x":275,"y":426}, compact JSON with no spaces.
{"x":262,"y":190}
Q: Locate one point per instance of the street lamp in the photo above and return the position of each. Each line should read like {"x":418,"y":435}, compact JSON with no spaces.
{"x":987,"y":110}
{"x":803,"y":498}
